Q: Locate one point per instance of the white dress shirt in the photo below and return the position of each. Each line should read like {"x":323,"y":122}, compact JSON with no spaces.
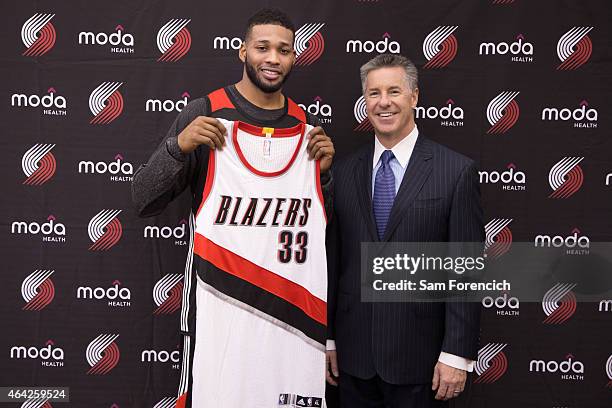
{"x":402,"y":152}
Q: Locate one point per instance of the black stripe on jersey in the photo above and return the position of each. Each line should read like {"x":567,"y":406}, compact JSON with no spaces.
{"x":259,"y":299}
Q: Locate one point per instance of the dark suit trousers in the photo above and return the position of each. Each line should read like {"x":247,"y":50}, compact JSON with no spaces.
{"x":376,"y":393}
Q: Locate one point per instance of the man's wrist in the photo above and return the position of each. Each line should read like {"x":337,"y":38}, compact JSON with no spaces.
{"x":174,"y":149}
{"x":330,"y":345}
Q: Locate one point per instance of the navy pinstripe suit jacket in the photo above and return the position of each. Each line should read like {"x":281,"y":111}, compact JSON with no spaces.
{"x":438,"y":201}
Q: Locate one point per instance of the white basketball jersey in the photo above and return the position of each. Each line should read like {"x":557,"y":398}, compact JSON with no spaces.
{"x":259,"y":249}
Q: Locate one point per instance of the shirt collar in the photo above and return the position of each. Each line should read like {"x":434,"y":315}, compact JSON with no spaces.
{"x":402,"y":151}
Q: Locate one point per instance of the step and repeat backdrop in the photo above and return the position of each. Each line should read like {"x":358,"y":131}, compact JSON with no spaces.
{"x":90,"y":293}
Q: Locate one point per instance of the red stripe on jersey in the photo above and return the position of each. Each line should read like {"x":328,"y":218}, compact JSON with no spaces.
{"x":299,"y":129}
{"x":219,"y":100}
{"x":244,"y":269}
{"x":295,"y":111}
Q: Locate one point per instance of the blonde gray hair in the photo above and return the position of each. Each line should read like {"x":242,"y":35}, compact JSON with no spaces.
{"x":390,"y":60}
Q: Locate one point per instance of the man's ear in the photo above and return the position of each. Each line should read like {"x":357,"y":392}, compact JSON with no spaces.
{"x":415,"y":97}
{"x":242,"y":52}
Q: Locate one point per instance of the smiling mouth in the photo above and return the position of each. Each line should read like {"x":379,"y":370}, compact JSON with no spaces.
{"x":385,"y":115}
{"x":270,"y":74}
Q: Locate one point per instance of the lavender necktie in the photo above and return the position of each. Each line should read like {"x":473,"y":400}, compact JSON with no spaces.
{"x":384,"y":193}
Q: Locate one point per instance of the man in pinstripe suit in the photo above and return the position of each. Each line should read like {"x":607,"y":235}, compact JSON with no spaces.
{"x":402,"y":187}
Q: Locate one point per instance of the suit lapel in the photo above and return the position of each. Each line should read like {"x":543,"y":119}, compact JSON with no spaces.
{"x":363,"y":188}
{"x":419,"y":168}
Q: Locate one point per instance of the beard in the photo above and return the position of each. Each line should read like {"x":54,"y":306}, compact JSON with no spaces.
{"x":264,"y":87}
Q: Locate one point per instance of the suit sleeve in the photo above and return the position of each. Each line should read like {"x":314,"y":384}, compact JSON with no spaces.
{"x":462,"y":325}
{"x":168,"y":171}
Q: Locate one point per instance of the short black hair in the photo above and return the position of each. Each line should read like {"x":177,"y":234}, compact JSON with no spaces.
{"x":269,"y":16}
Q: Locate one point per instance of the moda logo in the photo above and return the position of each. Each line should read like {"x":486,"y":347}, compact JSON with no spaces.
{"x":609,"y":371}
{"x":608,"y":179}
{"x":52,"y":104}
{"x":106,"y":103}
{"x":449,"y":115}
{"x":309,"y":43}
{"x":174,"y":40}
{"x":49,"y":354}
{"x":227,"y":43}
{"x":161,"y":356}
{"x":51,"y":230}
{"x":361,"y":116}
{"x":582,"y":116}
{"x":368,"y":46}
{"x":575,"y":244}
{"x":119,"y":169}
{"x":177,"y":233}
{"x":566,"y":177}
{"x":120,"y":42}
{"x":38,"y":35}
{"x":510,"y":179}
{"x":440,"y":47}
{"x":167,"y":402}
{"x":574,"y":48}
{"x":102,"y":354}
{"x":559,"y":303}
{"x":503,"y":112}
{"x":168,"y":105}
{"x":569,"y":368}
{"x":492,"y":363}
{"x":104,"y":230}
{"x":605,"y":305}
{"x":38,"y":290}
{"x":167,"y":294}
{"x":498,"y":237}
{"x":521,"y":50}
{"x":115,"y":295}
{"x":322,"y":110}
{"x":38,"y":164}
{"x":505,"y":305}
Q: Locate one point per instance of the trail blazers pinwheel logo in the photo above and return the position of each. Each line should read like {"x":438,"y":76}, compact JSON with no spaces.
{"x":492,"y":363}
{"x":168,"y":402}
{"x":502,"y":112}
{"x":574,"y":48}
{"x":104,"y":230}
{"x":37,"y":403}
{"x":38,"y":35}
{"x":559,"y":303}
{"x":38,"y":290}
{"x":38,"y":164}
{"x":565,"y":177}
{"x":609,"y":371}
{"x":106,"y":103}
{"x":361,"y":116}
{"x":174,"y":40}
{"x":440,"y":47}
{"x":102,"y":354}
{"x":498,"y":237}
{"x":309,"y":43}
{"x":167,"y":294}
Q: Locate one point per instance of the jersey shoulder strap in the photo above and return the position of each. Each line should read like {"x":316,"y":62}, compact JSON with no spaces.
{"x":219,"y":100}
{"x":294,"y":110}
